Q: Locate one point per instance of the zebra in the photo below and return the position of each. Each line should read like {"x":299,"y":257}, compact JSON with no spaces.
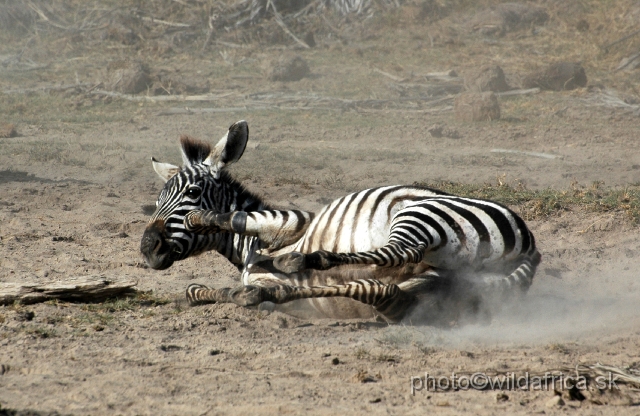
{"x":386,"y":247}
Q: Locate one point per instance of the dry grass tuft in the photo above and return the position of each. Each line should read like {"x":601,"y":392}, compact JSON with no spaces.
{"x":8,"y":131}
{"x":538,"y":204}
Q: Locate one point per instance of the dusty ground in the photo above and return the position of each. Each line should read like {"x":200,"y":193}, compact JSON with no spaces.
{"x":75,"y":183}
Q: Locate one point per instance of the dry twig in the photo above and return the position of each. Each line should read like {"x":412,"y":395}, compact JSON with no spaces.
{"x":530,"y":91}
{"x":521,"y":152}
{"x":622,"y":39}
{"x":280,"y":23}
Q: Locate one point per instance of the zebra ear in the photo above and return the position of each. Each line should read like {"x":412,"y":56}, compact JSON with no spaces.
{"x":166,"y":171}
{"x":230,"y":148}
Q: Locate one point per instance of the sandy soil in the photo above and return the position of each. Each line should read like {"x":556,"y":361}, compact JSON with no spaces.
{"x":73,"y":194}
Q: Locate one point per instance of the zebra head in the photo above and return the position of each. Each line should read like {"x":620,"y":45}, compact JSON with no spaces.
{"x":199,"y":184}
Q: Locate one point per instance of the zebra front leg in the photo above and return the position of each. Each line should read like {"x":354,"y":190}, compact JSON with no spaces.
{"x":248,"y":295}
{"x":390,"y":255}
{"x":388,"y":299}
{"x":275,"y":228}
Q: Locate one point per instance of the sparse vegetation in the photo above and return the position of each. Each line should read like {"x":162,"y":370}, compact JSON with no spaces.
{"x":128,"y":303}
{"x":538,"y":204}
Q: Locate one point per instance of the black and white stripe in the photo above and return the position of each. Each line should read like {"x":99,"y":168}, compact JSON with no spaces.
{"x":384,"y":247}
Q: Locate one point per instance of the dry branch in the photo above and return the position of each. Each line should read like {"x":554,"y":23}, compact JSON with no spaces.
{"x":280,"y":23}
{"x":186,"y":110}
{"x":155,"y":98}
{"x":164,"y":22}
{"x":631,"y":61}
{"x":511,"y":93}
{"x":48,"y":89}
{"x":386,"y":74}
{"x":521,"y":152}
{"x":622,"y":39}
{"x":261,"y":101}
{"x":90,"y":288}
{"x":446,"y":76}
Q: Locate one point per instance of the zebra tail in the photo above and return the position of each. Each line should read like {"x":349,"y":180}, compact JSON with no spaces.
{"x":521,"y":278}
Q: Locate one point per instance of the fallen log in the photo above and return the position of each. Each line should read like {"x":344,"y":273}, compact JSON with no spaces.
{"x":80,"y":289}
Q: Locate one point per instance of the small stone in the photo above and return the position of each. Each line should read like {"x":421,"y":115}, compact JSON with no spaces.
{"x":507,"y":17}
{"x":170,"y":348}
{"x":7,"y":131}
{"x":335,"y":361}
{"x":582,"y":25}
{"x":128,"y":77}
{"x":435,"y":131}
{"x":25,"y":316}
{"x":558,"y":77}
{"x":555,"y":401}
{"x":501,"y":397}
{"x":364,"y":377}
{"x":477,"y":107}
{"x":310,"y":39}
{"x":287,"y":68}
{"x":487,"y":78}
{"x":215,"y":352}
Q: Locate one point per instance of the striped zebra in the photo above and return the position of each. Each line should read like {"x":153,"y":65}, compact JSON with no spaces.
{"x":386,"y":248}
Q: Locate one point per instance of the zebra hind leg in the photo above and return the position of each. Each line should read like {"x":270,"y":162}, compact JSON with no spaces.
{"x":390,"y":255}
{"x":518,"y":281}
{"x":445,"y":299}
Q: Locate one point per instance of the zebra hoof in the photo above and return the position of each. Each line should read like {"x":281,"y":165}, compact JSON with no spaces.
{"x":247,"y":295}
{"x":290,"y":263}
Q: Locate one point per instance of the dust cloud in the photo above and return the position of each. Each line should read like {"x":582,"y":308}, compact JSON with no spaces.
{"x":547,"y":314}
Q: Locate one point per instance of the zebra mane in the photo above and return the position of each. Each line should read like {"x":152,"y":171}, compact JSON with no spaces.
{"x":243,"y":193}
{"x":193,"y":150}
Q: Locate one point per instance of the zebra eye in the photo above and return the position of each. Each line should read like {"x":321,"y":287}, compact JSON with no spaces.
{"x":193,"y":192}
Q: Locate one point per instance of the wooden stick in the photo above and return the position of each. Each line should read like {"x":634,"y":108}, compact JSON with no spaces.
{"x":520,"y":152}
{"x":47,"y":89}
{"x":156,"y":98}
{"x":511,"y":93}
{"x":622,"y":39}
{"x":164,"y":22}
{"x":449,"y":75}
{"x":283,"y":26}
{"x":88,"y":288}
{"x":405,"y":111}
{"x":627,"y":61}
{"x":187,"y":110}
{"x":386,"y":74}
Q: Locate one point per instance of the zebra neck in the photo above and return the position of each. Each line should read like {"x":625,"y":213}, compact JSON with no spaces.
{"x":235,"y":247}
{"x":232,"y":196}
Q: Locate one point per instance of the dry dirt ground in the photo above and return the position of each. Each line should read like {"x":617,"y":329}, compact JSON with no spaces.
{"x":76,"y":182}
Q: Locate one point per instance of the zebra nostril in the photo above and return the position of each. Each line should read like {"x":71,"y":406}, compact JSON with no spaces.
{"x":176,"y":252}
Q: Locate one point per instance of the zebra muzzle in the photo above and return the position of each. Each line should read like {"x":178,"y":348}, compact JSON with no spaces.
{"x":155,"y":249}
